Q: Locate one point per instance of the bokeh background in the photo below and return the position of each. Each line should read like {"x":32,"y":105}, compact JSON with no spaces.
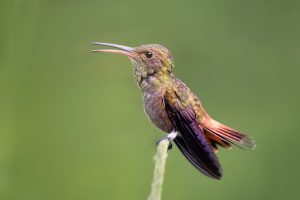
{"x":72,"y":125}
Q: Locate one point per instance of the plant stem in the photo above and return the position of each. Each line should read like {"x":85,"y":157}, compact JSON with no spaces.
{"x":159,"y":170}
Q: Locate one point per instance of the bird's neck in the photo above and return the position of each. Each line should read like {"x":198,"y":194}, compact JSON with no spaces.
{"x":156,"y":82}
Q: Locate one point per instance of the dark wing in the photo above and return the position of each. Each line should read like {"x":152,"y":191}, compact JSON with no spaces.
{"x":191,"y":141}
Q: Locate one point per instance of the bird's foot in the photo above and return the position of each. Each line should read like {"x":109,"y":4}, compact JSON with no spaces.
{"x":170,"y":137}
{"x":165,"y":138}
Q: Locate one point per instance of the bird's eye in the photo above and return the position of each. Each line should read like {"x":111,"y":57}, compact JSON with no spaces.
{"x":148,"y":54}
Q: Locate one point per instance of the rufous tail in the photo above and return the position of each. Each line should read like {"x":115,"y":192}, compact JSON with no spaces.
{"x":225,"y":136}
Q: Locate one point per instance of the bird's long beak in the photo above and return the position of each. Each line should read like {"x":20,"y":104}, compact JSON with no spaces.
{"x":124,"y":50}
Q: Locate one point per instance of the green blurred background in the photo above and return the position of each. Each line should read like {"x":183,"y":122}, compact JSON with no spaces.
{"x":72,"y":125}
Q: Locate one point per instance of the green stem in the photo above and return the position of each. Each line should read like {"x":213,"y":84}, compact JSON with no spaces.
{"x":159,"y":170}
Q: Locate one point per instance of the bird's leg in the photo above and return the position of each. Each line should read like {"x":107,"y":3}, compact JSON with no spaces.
{"x":171,"y":136}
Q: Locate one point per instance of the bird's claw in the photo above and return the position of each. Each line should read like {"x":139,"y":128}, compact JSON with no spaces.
{"x":165,"y":138}
{"x":170,"y":145}
{"x":170,"y":137}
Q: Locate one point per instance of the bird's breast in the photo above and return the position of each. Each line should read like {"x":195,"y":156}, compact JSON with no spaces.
{"x":155,"y":109}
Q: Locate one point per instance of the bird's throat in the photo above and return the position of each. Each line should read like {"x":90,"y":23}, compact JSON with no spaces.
{"x":155,"y":82}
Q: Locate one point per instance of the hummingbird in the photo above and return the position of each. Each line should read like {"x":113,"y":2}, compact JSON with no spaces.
{"x":176,"y":110}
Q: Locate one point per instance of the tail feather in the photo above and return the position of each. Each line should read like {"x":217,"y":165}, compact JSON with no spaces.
{"x":227,"y":135}
{"x":215,"y":141}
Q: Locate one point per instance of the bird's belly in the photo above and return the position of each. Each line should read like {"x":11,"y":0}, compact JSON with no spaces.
{"x":155,"y":109}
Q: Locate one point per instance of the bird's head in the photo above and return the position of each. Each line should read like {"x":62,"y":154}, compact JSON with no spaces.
{"x":147,"y":59}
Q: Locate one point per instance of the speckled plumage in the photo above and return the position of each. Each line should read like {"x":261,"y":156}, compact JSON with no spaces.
{"x":172,"y":106}
{"x":155,"y":79}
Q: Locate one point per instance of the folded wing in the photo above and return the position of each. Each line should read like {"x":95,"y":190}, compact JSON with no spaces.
{"x":191,"y":139}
